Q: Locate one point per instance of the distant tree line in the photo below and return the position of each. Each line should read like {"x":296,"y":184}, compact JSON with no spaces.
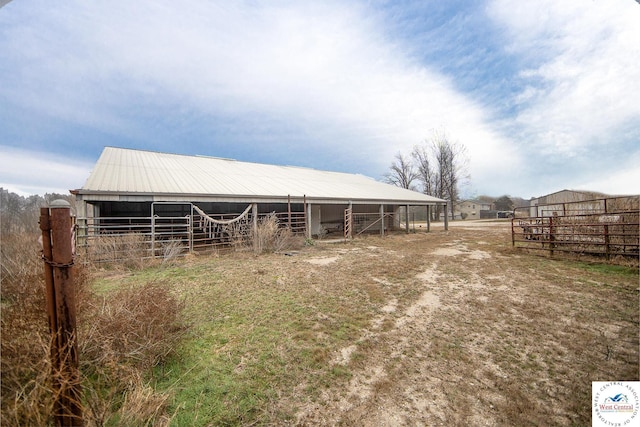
{"x":21,"y":214}
{"x":437,"y":167}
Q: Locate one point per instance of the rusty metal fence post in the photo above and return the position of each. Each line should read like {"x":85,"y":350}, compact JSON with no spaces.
{"x":552,"y":235}
{"x":57,"y":253}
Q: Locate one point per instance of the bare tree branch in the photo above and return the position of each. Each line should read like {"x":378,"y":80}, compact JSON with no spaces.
{"x":438,"y":164}
{"x":402,"y":173}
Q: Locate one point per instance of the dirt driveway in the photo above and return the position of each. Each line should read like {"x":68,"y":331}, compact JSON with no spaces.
{"x":468,"y":331}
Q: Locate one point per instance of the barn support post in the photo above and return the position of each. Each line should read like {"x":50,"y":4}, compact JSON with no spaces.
{"x":57,"y":253}
{"x":351,"y":219}
{"x":428,"y":218}
{"x":308,"y":221}
{"x":446,"y":217}
{"x":153,"y":232}
{"x":190,"y":219}
{"x":254,"y":218}
{"x":382,"y":220}
{"x":289,"y":211}
{"x":406,"y":218}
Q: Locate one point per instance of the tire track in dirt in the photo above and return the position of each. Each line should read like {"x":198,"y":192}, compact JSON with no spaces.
{"x":357,"y":402}
{"x":373,"y":397}
{"x":483,"y":335}
{"x":414,"y":394}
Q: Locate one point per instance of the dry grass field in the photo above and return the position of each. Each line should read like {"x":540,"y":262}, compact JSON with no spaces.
{"x":443,"y":328}
{"x":468,"y":332}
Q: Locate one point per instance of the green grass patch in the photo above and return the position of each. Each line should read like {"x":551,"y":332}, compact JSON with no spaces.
{"x":608,"y":269}
{"x":258,"y":338}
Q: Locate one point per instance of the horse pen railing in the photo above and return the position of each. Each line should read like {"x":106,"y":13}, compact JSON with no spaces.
{"x":603,"y":227}
{"x":118,"y":239}
{"x":372,"y":222}
{"x":358,"y":223}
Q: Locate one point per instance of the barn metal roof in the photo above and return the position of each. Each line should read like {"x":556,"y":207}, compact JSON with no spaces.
{"x":126,"y":173}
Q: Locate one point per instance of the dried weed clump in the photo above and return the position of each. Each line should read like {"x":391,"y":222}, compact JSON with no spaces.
{"x":137,"y":327}
{"x":123,"y":335}
{"x":269,"y":236}
{"x":24,"y":345}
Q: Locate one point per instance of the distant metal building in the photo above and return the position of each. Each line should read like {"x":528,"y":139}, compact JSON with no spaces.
{"x":579,"y":222}
{"x":556,"y":203}
{"x":198,"y":198}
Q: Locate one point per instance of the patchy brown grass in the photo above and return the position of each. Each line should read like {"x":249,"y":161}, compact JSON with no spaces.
{"x":444,"y":328}
{"x":123,"y":336}
{"x":24,"y":333}
{"x":513,"y":339}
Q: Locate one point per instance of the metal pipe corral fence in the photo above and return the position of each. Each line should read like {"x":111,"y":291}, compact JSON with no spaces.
{"x":605,"y":227}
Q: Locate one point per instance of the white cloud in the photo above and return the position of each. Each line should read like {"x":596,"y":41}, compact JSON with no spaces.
{"x":581,"y":82}
{"x":27,"y":172}
{"x":328,"y":69}
{"x":329,"y":74}
{"x":622,"y":179}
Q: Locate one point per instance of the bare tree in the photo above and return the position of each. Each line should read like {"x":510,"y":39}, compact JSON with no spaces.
{"x":451,"y":160}
{"x":402,"y":172}
{"x":440,"y":166}
{"x":425,"y":171}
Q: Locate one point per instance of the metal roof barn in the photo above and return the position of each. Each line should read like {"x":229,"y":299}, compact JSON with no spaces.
{"x":127,"y":185}
{"x":163,"y":176}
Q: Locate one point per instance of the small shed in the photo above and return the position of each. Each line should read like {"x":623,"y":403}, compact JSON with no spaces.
{"x":196,"y":196}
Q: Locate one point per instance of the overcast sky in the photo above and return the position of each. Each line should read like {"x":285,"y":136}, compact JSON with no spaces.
{"x":544,"y":95}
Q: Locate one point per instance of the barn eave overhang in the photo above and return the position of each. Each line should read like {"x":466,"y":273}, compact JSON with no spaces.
{"x":113,"y":196}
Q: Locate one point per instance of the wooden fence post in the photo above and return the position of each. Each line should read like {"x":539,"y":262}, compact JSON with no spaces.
{"x":57,"y":251}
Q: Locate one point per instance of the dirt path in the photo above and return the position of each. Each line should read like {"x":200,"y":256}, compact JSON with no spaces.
{"x":479,"y":335}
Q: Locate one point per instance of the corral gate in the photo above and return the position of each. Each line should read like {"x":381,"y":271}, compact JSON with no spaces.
{"x":608,"y":227}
